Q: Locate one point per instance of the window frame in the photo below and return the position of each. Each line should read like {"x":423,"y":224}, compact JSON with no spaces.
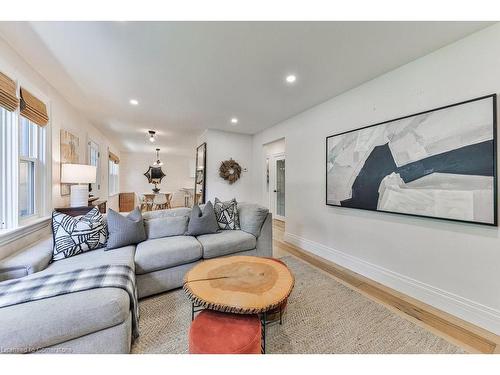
{"x":36,"y":135}
{"x":93,"y":145}
{"x":11,"y":150}
{"x":113,"y":178}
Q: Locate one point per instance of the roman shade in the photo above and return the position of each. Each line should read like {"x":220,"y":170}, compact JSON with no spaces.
{"x":33,"y":108}
{"x":115,"y":159}
{"x":8,"y":97}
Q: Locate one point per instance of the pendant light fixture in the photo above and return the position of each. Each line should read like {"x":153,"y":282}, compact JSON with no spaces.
{"x":158,"y":162}
{"x":152,"y":136}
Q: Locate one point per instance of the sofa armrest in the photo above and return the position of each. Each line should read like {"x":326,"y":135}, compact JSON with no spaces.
{"x":34,"y":258}
{"x":265,"y":239}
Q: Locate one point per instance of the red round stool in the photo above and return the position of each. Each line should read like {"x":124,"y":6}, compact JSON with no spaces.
{"x":214,"y":332}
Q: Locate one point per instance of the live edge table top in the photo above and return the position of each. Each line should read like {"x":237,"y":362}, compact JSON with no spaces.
{"x":239,"y":284}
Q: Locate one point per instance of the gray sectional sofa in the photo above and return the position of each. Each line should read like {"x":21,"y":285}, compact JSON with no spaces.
{"x":99,"y":320}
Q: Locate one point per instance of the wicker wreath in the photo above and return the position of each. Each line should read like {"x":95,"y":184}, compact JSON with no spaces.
{"x":230,"y":171}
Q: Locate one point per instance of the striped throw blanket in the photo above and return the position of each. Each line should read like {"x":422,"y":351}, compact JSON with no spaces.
{"x":13,"y":292}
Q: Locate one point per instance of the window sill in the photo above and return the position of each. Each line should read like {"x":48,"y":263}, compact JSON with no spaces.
{"x":10,"y":235}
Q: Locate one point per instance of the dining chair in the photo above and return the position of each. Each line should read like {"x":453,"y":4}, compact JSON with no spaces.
{"x":142,"y":202}
{"x":160,"y":201}
{"x":169,"y":199}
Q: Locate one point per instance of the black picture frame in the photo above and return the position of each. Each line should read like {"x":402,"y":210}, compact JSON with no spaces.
{"x":200,"y":174}
{"x":494,"y":156}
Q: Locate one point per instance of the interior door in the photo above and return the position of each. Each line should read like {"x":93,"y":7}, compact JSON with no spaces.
{"x":279,"y":188}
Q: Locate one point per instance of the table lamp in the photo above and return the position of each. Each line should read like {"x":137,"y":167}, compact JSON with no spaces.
{"x":81,"y":175}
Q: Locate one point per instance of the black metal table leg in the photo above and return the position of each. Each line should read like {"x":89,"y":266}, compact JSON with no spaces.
{"x":264,"y":322}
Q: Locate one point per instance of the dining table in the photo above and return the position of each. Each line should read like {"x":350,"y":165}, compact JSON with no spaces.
{"x":149,"y":198}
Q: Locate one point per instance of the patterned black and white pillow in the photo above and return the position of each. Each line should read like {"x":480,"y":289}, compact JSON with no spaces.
{"x":75,"y":235}
{"x":227,"y":214}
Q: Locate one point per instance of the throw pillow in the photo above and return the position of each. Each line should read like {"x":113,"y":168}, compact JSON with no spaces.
{"x":252,"y":217}
{"x":227,"y":214}
{"x":202,"y":222}
{"x":125,"y":230}
{"x":75,"y":235}
{"x":166,"y":226}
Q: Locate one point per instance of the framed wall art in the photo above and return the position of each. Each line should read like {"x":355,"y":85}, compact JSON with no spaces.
{"x":69,"y":154}
{"x":440,"y":163}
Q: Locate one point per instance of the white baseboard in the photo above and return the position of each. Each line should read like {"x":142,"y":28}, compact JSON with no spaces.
{"x":463,"y":308}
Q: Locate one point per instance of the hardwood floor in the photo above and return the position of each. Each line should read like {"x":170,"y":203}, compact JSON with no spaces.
{"x":459,"y":332}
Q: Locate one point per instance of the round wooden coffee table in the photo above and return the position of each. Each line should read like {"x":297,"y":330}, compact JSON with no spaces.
{"x":240,"y":285}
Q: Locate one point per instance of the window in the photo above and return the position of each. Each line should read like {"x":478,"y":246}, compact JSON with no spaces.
{"x":25,"y":193}
{"x":114,"y":177}
{"x":94,"y":159}
{"x":29,"y":142}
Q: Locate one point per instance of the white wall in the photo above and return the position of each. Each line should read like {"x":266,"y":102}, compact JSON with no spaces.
{"x":222,"y":146}
{"x":179,"y":171}
{"x":453,"y":266}
{"x":62,"y":116}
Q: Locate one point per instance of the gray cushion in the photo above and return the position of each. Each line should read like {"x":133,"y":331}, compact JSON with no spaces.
{"x":226,"y":242}
{"x":54,"y":320}
{"x":33,"y":258}
{"x":171,"y":212}
{"x":202,"y":222}
{"x":166,"y":226}
{"x":252,"y":216}
{"x":161,"y":253}
{"x":125,"y":230}
{"x":96,"y":258}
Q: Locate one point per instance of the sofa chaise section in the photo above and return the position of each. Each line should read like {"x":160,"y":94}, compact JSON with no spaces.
{"x":72,"y":322}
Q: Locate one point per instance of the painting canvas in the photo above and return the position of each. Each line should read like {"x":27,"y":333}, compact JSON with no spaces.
{"x":69,"y":154}
{"x":439,"y":163}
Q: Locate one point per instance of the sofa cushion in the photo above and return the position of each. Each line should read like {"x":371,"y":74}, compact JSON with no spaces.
{"x":252,"y":217}
{"x":125,"y":230}
{"x":33,"y":258}
{"x":166,"y":226}
{"x":75,"y":235}
{"x":202,"y":220}
{"x":162,"y":253}
{"x":171,"y":212}
{"x":226,"y":242}
{"x":50,"y":321}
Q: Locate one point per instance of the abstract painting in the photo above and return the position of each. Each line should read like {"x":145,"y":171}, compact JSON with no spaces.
{"x":69,"y":154}
{"x":439,"y":163}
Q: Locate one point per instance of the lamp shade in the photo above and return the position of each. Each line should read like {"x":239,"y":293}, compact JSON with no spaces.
{"x":78,"y":174}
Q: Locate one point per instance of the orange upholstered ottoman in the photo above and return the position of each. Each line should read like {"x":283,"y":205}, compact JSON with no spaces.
{"x":214,"y":332}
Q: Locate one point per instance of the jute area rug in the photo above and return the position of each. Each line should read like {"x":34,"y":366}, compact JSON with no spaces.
{"x":322,"y":316}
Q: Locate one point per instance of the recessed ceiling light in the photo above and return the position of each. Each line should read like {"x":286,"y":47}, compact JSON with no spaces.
{"x":234,"y":120}
{"x":291,"y":78}
{"x":134,"y":101}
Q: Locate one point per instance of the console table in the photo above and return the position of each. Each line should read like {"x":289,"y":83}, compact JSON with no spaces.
{"x":77,"y":211}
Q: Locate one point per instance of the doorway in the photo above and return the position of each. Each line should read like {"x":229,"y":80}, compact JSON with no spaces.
{"x":279,"y":187}
{"x":275,"y":166}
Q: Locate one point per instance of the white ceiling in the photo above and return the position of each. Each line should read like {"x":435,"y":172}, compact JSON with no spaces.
{"x":190,"y":76}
